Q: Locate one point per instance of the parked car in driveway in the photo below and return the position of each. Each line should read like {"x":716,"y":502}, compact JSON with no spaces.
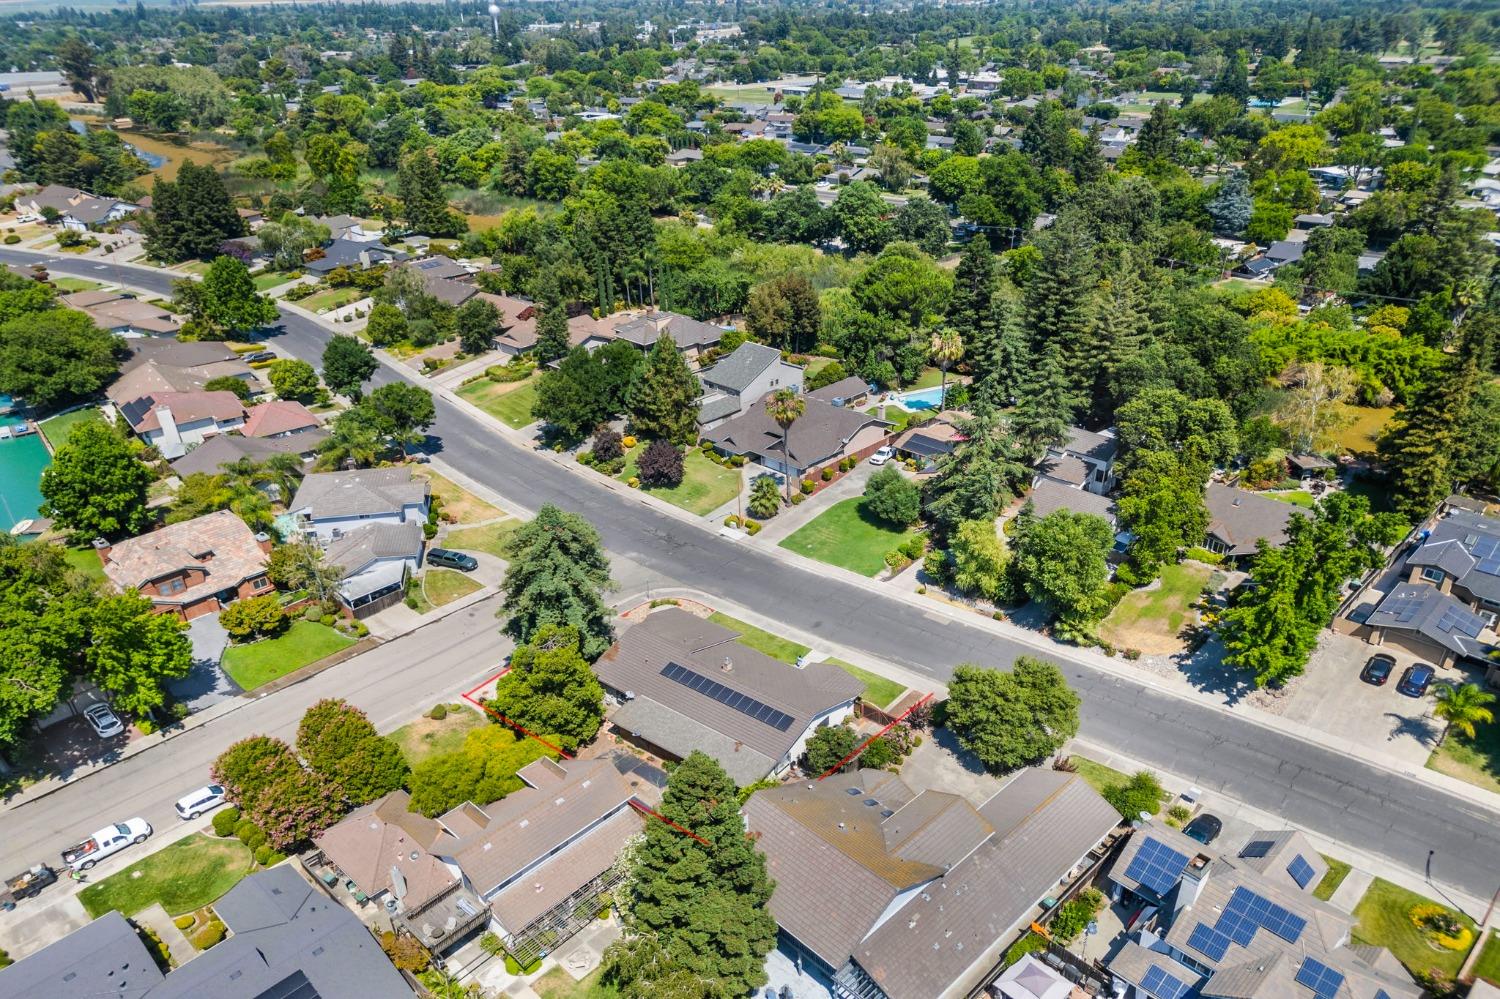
{"x":259,"y":355}
{"x":105,"y":723}
{"x":205,"y":799}
{"x":883,"y":455}
{"x":1205,"y":828}
{"x":1378,"y":670}
{"x":451,"y":559}
{"x":1415,"y":681}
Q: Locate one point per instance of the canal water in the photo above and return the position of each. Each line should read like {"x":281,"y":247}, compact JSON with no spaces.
{"x":22,"y":460}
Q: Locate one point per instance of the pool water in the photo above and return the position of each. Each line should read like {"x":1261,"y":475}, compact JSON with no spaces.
{"x":930,"y":398}
{"x":22,"y":460}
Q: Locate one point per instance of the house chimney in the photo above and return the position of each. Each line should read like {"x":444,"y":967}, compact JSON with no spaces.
{"x":103,"y":548}
{"x":264,"y":540}
{"x":169,"y":433}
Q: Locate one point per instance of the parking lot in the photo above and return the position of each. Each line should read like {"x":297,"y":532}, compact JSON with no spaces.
{"x":1331,"y":697}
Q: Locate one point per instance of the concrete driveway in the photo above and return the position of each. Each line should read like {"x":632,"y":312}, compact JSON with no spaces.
{"x":1331,"y":697}
{"x":206,"y":684}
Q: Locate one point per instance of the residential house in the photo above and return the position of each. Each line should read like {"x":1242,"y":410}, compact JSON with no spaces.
{"x":518,"y":322}
{"x":191,"y":568}
{"x":165,"y":365}
{"x":331,"y":504}
{"x":375,"y":563}
{"x":1238,"y":519}
{"x":929,"y":442}
{"x":531,"y":867}
{"x":1086,"y":460}
{"x":279,"y":418}
{"x":852,"y":392}
{"x":1049,"y":496}
{"x":905,"y":894}
{"x":691,"y":336}
{"x":342,"y":227}
{"x":286,"y":939}
{"x":1307,"y":466}
{"x":172,"y":422}
{"x":77,"y":210}
{"x":122,"y":314}
{"x":355,"y":254}
{"x":1240,"y":926}
{"x":1285,"y":251}
{"x":824,"y":433}
{"x":216,"y":453}
{"x":743,"y":378}
{"x":681,"y":682}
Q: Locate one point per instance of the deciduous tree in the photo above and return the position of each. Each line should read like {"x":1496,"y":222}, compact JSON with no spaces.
{"x":95,"y":486}
{"x":550,"y":688}
{"x":892,"y":497}
{"x":1062,"y":562}
{"x":347,"y":365}
{"x":1014,"y":719}
{"x":293,"y":379}
{"x":52,"y":357}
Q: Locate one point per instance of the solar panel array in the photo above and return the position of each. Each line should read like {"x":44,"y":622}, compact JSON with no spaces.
{"x":1162,"y":984}
{"x":1257,"y":848}
{"x":1403,"y":609}
{"x":1301,"y":871}
{"x":1323,"y":980}
{"x":1487,"y":551}
{"x":1461,"y":619}
{"x":1209,"y":942}
{"x":743,"y":703}
{"x":1248,"y":909}
{"x":1156,"y":866}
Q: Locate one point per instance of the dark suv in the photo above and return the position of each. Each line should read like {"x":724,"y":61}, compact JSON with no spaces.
{"x":1415,"y":681}
{"x":452,"y":560}
{"x":1378,"y":670}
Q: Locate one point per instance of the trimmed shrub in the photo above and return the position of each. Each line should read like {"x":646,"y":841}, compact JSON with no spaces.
{"x":225,"y":820}
{"x":275,"y":857}
{"x":184,"y":921}
{"x":607,"y":445}
{"x":255,"y":617}
{"x":262,"y":854}
{"x":661,"y":465}
{"x":438,"y":712}
{"x":314,"y":614}
{"x":145,"y":726}
{"x":808,"y":486}
{"x":628,"y":441}
{"x":244,"y":829}
{"x":514,"y":967}
{"x":256,"y":839}
{"x":797,"y":498}
{"x":12,"y":239}
{"x":827,"y":474}
{"x":211,"y":933}
{"x":753,"y":526}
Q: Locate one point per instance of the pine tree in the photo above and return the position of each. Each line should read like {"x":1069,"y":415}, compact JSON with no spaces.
{"x":1423,"y":441}
{"x":1045,"y":406}
{"x":424,"y":208}
{"x":1124,"y":328}
{"x":1060,"y":308}
{"x":663,"y":396}
{"x":551,"y":332}
{"x":191,"y":217}
{"x":974,"y":481}
{"x":1090,"y":164}
{"x":704,"y":896}
{"x":1158,"y":138}
{"x":557,"y":575}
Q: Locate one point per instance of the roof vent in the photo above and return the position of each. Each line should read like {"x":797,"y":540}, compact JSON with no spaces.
{"x":414,"y":855}
{"x":871,"y":802}
{"x":841,"y":825}
{"x":728,"y":666}
{"x":629,"y":695}
{"x":487,"y":847}
{"x":525,"y":823}
{"x":1237,"y":500}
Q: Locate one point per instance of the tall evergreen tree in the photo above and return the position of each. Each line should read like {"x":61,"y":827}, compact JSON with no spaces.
{"x":1231,"y":206}
{"x":663,"y":396}
{"x":982,"y":473}
{"x":1060,"y":309}
{"x":191,"y":216}
{"x":704,"y":896}
{"x":1090,"y":164}
{"x":1124,"y":328}
{"x":1234,"y":79}
{"x":551,"y":324}
{"x":1158,"y":137}
{"x":557,"y":575}
{"x":1423,"y":444}
{"x":424,"y":207}
{"x":1045,"y":405}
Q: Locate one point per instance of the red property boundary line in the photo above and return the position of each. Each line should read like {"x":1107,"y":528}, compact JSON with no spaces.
{"x":877,"y":735}
{"x":468,"y":695}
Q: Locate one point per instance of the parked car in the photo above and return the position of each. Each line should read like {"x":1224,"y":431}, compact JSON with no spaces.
{"x":1415,"y":681}
{"x":1378,"y":670}
{"x":452,"y":559}
{"x":103,"y":721}
{"x":883,"y":455}
{"x":1205,"y":828}
{"x":258,"y":355}
{"x":107,"y":841}
{"x":205,"y":799}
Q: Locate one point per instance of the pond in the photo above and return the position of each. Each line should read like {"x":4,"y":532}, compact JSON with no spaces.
{"x":163,"y":154}
{"x":22,"y":461}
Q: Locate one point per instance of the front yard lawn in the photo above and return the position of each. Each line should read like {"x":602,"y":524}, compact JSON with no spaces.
{"x":704,"y":488}
{"x":261,"y":662}
{"x":443,"y":586}
{"x":86,"y":561}
{"x":879,"y":691}
{"x":1384,"y":916}
{"x":333,"y":298}
{"x":190,"y":873}
{"x":67,"y":285}
{"x":844,"y":536}
{"x":1475,"y":760}
{"x":272,"y":279}
{"x":1488,"y":965}
{"x":508,"y":402}
{"x":774,"y":646}
{"x":490,"y":538}
{"x":1150,"y":619}
{"x":1296,"y":497}
{"x":460,"y":504}
{"x":1337,"y":872}
{"x":1101,"y":778}
{"x":59,"y":428}
{"x":558,"y":984}
{"x":426,"y":737}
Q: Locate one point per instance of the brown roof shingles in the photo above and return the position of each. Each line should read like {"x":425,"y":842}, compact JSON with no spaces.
{"x":218,"y":543}
{"x":383,"y":835}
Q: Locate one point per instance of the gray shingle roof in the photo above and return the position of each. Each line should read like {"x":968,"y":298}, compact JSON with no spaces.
{"x":820,"y":433}
{"x":1101,"y":447}
{"x":1049,"y":496}
{"x":104,"y":958}
{"x":226,"y":449}
{"x":363,"y":491}
{"x":1479,"y":537}
{"x":717,"y":407}
{"x":1239,"y":518}
{"x":358,"y":548}
{"x":736,"y":372}
{"x":845,"y":388}
{"x":1437,"y":616}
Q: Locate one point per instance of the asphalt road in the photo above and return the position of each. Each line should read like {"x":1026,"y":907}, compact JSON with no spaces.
{"x":1407,"y":821}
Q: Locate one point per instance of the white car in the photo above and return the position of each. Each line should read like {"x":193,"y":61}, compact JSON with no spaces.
{"x":103,"y":721}
{"x":205,"y":799}
{"x":882,"y":456}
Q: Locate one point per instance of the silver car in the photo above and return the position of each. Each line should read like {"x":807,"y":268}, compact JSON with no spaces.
{"x":103,"y":721}
{"x":205,"y":799}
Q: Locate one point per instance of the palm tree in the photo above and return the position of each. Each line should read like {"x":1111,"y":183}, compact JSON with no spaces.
{"x":946,"y":347}
{"x":1463,"y":706}
{"x":786,"y":407}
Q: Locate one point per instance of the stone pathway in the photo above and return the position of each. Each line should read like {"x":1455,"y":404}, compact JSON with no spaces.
{"x":1351,"y":890}
{"x":161,"y":924}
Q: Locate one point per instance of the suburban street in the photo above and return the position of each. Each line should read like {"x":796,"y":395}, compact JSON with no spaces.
{"x":1403,"y":819}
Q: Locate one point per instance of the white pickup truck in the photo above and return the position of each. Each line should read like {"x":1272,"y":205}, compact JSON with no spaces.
{"x":106,"y":842}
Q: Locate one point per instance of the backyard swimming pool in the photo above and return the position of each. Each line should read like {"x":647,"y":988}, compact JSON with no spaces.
{"x":22,"y":460}
{"x":928,"y":398}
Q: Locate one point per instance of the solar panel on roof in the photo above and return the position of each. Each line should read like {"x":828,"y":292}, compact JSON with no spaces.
{"x":1286,"y":925}
{"x":1403,"y":609}
{"x":743,"y":703}
{"x":1323,"y":980}
{"x":1257,"y":848}
{"x":1300,"y":870}
{"x":1465,"y":622}
{"x":1156,"y":866}
{"x":1209,"y":942}
{"x":1485,"y":546}
{"x":1490,"y":566}
{"x":1162,"y":984}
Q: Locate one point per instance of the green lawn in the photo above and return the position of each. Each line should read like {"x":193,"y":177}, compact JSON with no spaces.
{"x":928,"y":378}
{"x":1475,"y":760}
{"x":705,"y":486}
{"x":490,"y":538}
{"x":71,"y":284}
{"x":1337,"y":872}
{"x":428,"y":737}
{"x":558,"y":984}
{"x":199,"y":267}
{"x":509,"y":403}
{"x":879,"y":691}
{"x":1384,"y":916}
{"x":261,"y":662}
{"x":1101,"y":778}
{"x":843,"y":536}
{"x":1488,"y":965}
{"x":272,"y":279}
{"x":86,"y":561}
{"x":190,"y":873}
{"x":1151,"y":619}
{"x":333,"y":298}
{"x":1296,"y":497}
{"x":59,"y":428}
{"x":774,"y":646}
{"x":755,"y":93}
{"x":443,"y":586}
